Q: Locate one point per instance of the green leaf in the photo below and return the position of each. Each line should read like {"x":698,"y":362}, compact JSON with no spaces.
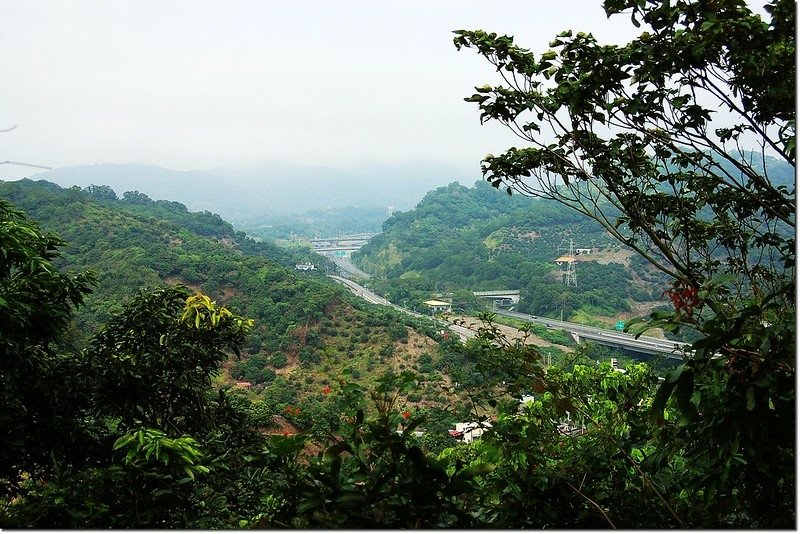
{"x":350,"y":496}
{"x":308,"y":504}
{"x":660,"y":400}
{"x":751,"y":398}
{"x":122,"y":441}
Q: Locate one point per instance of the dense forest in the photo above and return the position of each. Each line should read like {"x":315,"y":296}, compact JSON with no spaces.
{"x":305,"y":356}
{"x":161,"y":370}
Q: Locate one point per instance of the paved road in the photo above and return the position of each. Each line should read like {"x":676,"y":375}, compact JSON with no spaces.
{"x":644,"y":344}
{"x":346,"y":265}
{"x":361,"y":291}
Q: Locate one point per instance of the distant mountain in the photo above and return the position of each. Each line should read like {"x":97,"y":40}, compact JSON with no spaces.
{"x":195,"y":189}
{"x":249,"y":193}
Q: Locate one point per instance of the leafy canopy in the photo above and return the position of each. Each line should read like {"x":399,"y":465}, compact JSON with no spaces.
{"x":668,"y":142}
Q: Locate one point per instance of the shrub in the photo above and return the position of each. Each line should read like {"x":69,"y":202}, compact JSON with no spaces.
{"x":278,"y":360}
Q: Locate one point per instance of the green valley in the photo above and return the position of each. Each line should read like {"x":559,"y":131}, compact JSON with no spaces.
{"x":163,"y":368}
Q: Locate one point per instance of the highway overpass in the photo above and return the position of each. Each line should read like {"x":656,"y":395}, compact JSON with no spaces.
{"x":345,"y":243}
{"x":502,"y":297}
{"x":643,"y":345}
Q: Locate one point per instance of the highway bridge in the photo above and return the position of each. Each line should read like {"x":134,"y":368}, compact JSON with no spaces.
{"x":501,"y":297}
{"x":346,"y":243}
{"x":643,"y":345}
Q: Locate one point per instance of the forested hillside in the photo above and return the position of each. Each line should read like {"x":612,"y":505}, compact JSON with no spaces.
{"x":461,"y":239}
{"x":303,"y":323}
{"x":134,"y":242}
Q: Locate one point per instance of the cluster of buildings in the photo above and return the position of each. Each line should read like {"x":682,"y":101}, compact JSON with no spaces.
{"x":305,"y":266}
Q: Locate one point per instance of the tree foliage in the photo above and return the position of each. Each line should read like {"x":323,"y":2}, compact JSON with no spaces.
{"x":121,"y":434}
{"x":36,"y":304}
{"x":651,"y":140}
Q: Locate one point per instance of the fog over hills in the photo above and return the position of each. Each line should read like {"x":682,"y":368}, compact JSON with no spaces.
{"x":271,"y":188}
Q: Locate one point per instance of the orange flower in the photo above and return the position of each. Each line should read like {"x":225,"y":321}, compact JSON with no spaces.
{"x":406,"y":414}
{"x":326,"y":390}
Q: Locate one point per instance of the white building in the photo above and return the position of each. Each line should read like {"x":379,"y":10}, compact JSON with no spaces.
{"x":467,"y":432}
{"x":437,"y":306}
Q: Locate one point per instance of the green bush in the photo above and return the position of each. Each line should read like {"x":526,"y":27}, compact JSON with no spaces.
{"x":309,"y":356}
{"x":278,"y":360}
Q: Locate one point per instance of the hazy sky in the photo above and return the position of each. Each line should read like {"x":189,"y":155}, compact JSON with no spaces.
{"x":197,"y":84}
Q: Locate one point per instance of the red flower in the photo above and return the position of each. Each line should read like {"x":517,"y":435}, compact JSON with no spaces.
{"x":406,"y":414}
{"x":288,"y":409}
{"x":285,"y":433}
{"x":326,"y":390}
{"x":684,"y":298}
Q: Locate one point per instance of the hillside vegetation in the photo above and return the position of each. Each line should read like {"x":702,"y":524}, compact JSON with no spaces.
{"x":129,"y":417}
{"x":307,"y":330}
{"x":461,"y":239}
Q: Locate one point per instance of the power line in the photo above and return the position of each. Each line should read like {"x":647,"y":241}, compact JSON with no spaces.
{"x":24,"y":164}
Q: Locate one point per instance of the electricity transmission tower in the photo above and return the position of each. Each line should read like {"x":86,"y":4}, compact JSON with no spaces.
{"x":569,"y":275}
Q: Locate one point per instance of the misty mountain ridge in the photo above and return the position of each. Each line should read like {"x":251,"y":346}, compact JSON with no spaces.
{"x":250,"y":192}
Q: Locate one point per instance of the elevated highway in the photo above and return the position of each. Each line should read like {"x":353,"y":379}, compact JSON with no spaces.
{"x":643,"y":345}
{"x":502,"y":297}
{"x":343,"y":243}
